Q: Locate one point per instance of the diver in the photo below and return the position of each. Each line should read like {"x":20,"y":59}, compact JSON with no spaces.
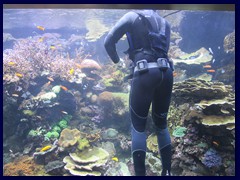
{"x":148,"y":36}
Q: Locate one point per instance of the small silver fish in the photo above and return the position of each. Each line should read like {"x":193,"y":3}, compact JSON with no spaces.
{"x":210,"y":49}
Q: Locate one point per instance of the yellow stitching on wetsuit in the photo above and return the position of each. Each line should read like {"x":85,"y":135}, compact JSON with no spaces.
{"x":137,"y":114}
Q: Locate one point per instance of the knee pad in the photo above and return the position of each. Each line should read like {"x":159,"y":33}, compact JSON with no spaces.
{"x":138,"y":140}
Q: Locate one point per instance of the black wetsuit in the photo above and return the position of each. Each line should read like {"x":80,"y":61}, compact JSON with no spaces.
{"x":151,"y":86}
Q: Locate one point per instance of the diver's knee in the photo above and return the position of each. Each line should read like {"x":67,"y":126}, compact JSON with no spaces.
{"x":160,"y":121}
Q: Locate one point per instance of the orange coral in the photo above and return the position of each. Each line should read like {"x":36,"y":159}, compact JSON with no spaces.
{"x":23,"y":166}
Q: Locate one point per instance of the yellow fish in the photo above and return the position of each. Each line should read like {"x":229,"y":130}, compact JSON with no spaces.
{"x":45,"y":148}
{"x":52,"y":47}
{"x":41,"y":39}
{"x":18,"y":75}
{"x":11,"y":63}
{"x":41,"y":28}
{"x":115,"y":159}
{"x":71,"y":71}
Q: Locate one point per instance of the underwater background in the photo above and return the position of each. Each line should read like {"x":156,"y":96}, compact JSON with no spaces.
{"x":65,"y":103}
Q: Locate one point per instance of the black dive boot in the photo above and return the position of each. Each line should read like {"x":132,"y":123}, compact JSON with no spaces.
{"x":166,"y":155}
{"x":139,"y":163}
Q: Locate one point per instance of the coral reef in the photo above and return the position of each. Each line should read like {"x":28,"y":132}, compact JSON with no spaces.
{"x":95,"y":29}
{"x":54,"y":167}
{"x":23,"y":166}
{"x":69,"y":137}
{"x":152,"y":143}
{"x":212,"y":159}
{"x":110,"y":133}
{"x":179,"y":131}
{"x":229,"y":43}
{"x":210,"y":124}
{"x":83,"y":143}
{"x":86,"y":162}
{"x":194,"y":90}
{"x":198,"y":57}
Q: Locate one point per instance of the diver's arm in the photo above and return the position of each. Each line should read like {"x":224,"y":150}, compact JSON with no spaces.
{"x":122,"y":26}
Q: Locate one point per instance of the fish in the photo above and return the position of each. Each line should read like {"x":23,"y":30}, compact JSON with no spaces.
{"x":41,"y":39}
{"x":211,"y":70}
{"x":41,"y":28}
{"x":71,"y":71}
{"x":15,"y":95}
{"x":210,"y":49}
{"x":11,"y":63}
{"x":115,"y":159}
{"x":46,"y":148}
{"x":39,"y":117}
{"x":215,"y":143}
{"x":78,"y":65}
{"x":52,"y":47}
{"x":19,"y":75}
{"x":50,"y":79}
{"x":213,"y":60}
{"x":64,"y":112}
{"x":48,"y":83}
{"x":222,"y":71}
{"x":207,"y":66}
{"x":174,"y":74}
{"x":64,"y":88}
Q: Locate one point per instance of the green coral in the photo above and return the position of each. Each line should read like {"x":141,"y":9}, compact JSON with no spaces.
{"x":28,"y":112}
{"x":63,"y":124}
{"x":179,"y":131}
{"x":108,"y":82}
{"x":51,"y":135}
{"x":83,"y":143}
{"x":56,"y":129}
{"x":124,"y":97}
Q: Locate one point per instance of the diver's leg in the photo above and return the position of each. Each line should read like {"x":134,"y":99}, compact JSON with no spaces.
{"x":160,"y":106}
{"x":140,"y":100}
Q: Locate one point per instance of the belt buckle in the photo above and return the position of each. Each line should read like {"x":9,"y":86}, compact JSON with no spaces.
{"x":162,"y":64}
{"x":142,"y":65}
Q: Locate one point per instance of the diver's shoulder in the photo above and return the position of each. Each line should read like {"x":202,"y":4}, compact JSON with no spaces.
{"x":131,"y":14}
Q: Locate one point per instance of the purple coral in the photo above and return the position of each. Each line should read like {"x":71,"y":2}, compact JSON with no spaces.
{"x":212,"y":159}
